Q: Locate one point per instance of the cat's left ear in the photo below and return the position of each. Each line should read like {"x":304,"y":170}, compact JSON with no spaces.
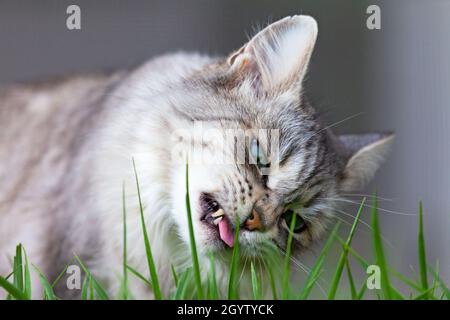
{"x":277,"y":57}
{"x":364,"y":155}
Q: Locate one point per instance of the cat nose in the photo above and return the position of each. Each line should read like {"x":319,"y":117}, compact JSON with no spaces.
{"x":253,"y":222}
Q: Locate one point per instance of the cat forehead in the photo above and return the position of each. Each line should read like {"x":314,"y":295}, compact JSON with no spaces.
{"x":292,"y":119}
{"x":288,"y":112}
{"x":282,"y":111}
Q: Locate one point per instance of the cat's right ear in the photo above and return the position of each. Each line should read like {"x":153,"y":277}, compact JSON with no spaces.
{"x":277,"y":57}
{"x":364,"y":154}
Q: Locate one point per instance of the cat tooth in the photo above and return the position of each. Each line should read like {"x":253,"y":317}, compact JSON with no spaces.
{"x":217,"y":220}
{"x":218,"y":213}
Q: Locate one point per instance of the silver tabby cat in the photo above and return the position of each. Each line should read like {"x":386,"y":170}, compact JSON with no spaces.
{"x":66,"y":150}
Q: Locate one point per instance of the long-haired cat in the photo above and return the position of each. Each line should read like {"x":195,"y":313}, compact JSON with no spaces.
{"x":66,"y":150}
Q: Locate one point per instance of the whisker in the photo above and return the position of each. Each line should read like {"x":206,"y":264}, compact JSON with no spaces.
{"x":243,"y":269}
{"x":332,"y":125}
{"x":353,"y":217}
{"x":343,"y":221}
{"x":308,"y":272}
{"x":319,"y":278}
{"x":259,"y":270}
{"x":266,"y":266}
{"x":298,"y":264}
{"x":369,"y":206}
{"x":365,"y":196}
{"x":362,"y":222}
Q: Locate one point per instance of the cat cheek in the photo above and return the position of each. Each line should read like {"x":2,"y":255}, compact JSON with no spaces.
{"x":278,"y":236}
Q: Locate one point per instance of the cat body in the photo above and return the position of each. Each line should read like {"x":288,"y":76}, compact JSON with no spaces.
{"x":67,"y":149}
{"x":52,"y":172}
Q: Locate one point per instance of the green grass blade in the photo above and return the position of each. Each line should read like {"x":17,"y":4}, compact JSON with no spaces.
{"x":255,"y":284}
{"x":351,"y":282}
{"x":273,"y":286}
{"x":232,"y":284}
{"x":195,"y":263}
{"x":412,"y":284}
{"x":444,"y":288}
{"x":91,"y":288}
{"x":27,"y":276}
{"x":344,"y":254}
{"x":18,"y":268}
{"x":435,"y":284}
{"x":59,"y":277}
{"x":183,"y":284}
{"x":174,"y":275}
{"x":287,"y":261}
{"x":101,"y":292}
{"x":363,"y":262}
{"x":84,"y":288}
{"x":362,"y":291}
{"x":124,"y":254}
{"x":379,"y":252}
{"x":213,"y":291}
{"x":9,"y":275}
{"x":424,"y":295}
{"x":422,"y":254}
{"x":49,"y":294}
{"x":396,"y":295}
{"x":12,"y":290}
{"x":140,"y":276}
{"x":317,"y":267}
{"x":148,"y":249}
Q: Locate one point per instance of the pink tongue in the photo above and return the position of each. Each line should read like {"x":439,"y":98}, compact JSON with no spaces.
{"x":226,"y":234}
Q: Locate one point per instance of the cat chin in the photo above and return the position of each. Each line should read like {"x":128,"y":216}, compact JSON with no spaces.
{"x":212,"y":241}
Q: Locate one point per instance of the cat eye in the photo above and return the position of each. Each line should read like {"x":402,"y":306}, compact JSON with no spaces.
{"x":258,"y":154}
{"x":300,"y":224}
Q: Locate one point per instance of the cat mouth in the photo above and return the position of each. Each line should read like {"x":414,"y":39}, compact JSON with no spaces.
{"x":221,"y":224}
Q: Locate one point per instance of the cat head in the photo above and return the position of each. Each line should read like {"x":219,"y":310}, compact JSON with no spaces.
{"x":284,"y":162}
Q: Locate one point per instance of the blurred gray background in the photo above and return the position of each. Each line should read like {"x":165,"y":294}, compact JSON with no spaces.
{"x":398,"y":77}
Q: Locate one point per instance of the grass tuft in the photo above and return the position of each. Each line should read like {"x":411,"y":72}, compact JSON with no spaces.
{"x":255,"y":284}
{"x":316,"y":270}
{"x":287,"y":260}
{"x":189,"y":283}
{"x":233,"y":293}
{"x":212,"y":280}
{"x":379,"y":252}
{"x":344,"y":254}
